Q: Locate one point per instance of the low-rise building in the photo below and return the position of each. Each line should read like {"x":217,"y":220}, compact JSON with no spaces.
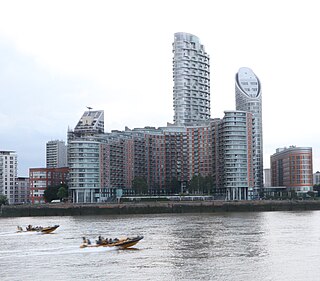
{"x":292,"y":168}
{"x":22,"y":191}
{"x":42,"y":178}
{"x":316,"y":178}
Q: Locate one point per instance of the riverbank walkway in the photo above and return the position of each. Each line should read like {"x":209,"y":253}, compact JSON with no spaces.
{"x":69,"y":209}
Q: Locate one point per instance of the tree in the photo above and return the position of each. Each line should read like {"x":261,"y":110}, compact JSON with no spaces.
{"x":201,"y":185}
{"x":208,"y":184}
{"x":193,"y":184}
{"x":316,"y":188}
{"x":173,"y":186}
{"x":311,"y":194}
{"x":196,"y":184}
{"x":51,"y":193}
{"x":62,"y":192}
{"x":3,"y":200}
{"x":176,"y":186}
{"x":140,"y":185}
{"x":55,"y":192}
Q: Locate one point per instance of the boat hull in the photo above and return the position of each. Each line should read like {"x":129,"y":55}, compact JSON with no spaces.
{"x":49,"y":229}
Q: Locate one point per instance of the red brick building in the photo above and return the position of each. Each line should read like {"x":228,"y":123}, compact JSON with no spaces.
{"x":292,"y":168}
{"x":41,"y":178}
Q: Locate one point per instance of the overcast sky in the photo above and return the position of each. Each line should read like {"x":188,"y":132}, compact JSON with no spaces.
{"x":57,"y":57}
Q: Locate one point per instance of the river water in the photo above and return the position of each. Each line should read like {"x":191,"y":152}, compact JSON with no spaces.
{"x":220,"y":246}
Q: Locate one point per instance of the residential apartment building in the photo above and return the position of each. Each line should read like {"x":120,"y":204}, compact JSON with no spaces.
{"x":191,"y":76}
{"x":292,"y":168}
{"x":316,"y":178}
{"x":233,"y":156}
{"x":85,"y":157}
{"x":8,"y":174}
{"x":41,"y":178}
{"x":22,"y":191}
{"x":249,"y":98}
{"x":56,"y":154}
{"x":167,"y":158}
{"x":267,"y":177}
{"x":84,"y":162}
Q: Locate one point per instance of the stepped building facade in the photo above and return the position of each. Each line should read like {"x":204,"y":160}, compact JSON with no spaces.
{"x":191,"y":77}
{"x":166,"y":158}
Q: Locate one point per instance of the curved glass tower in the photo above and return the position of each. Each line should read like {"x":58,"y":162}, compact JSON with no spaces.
{"x":191,"y":77}
{"x":235,"y":146}
{"x":84,"y":170}
{"x":248,"y":98}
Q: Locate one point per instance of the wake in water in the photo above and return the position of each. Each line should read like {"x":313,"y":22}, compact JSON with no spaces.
{"x":3,"y":234}
{"x":77,"y":250}
{"x":50,"y":252}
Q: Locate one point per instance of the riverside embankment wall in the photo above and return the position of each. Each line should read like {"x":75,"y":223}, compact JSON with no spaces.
{"x":67,"y":209}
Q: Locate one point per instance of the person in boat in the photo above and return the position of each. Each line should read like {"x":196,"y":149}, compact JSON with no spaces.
{"x":108,"y":240}
{"x":100,"y":240}
{"x":29,"y":227}
{"x":86,"y":241}
{"x":19,"y":228}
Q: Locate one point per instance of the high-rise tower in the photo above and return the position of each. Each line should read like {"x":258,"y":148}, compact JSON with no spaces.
{"x":191,"y":76}
{"x":56,"y":154}
{"x":8,"y":174}
{"x":248,"y":98}
{"x":84,"y":157}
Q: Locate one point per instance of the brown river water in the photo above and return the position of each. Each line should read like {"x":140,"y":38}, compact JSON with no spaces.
{"x":217,"y":246}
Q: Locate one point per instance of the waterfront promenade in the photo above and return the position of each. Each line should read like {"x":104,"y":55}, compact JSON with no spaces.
{"x":68,"y":209}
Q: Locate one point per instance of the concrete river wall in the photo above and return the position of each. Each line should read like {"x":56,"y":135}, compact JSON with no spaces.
{"x":67,"y":209}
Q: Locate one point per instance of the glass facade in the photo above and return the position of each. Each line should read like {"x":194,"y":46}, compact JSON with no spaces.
{"x":249,"y":98}
{"x":84,"y":170}
{"x":236,"y":154}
